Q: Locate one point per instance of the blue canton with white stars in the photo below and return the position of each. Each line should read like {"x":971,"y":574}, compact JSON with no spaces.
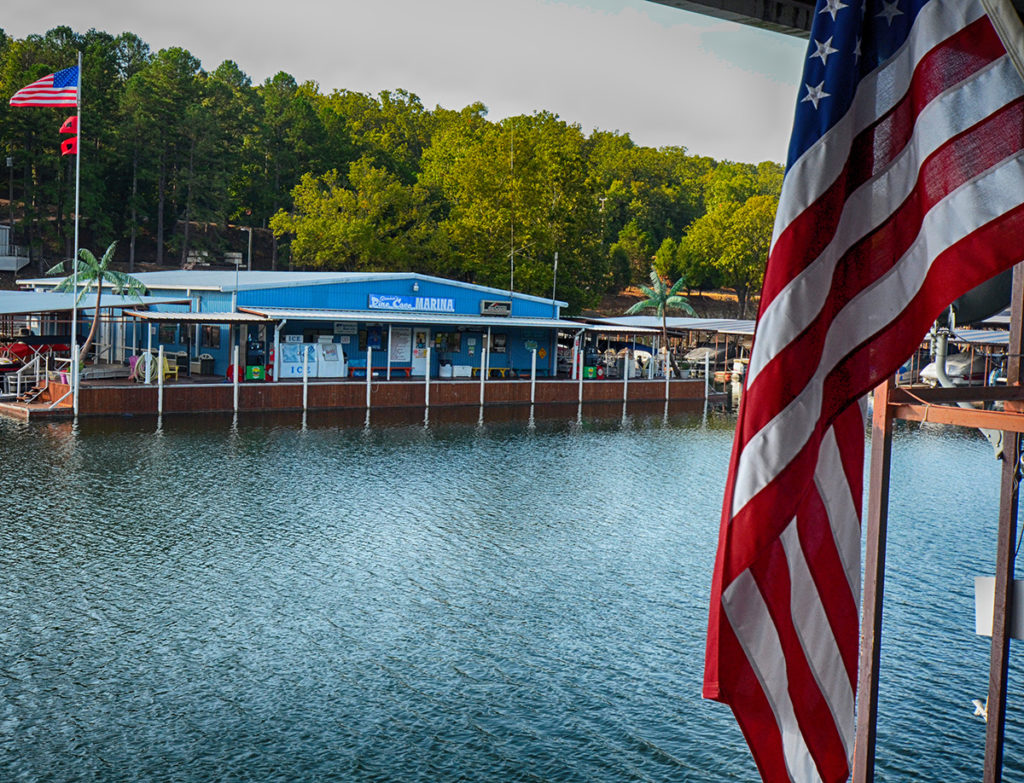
{"x":66,"y":78}
{"x":849,"y":39}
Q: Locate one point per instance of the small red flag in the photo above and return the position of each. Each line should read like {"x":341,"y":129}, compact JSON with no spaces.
{"x":69,"y":146}
{"x":70,"y":125}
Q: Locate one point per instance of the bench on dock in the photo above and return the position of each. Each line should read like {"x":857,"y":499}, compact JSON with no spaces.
{"x":498,"y":372}
{"x":357,"y":369}
{"x":508,"y":372}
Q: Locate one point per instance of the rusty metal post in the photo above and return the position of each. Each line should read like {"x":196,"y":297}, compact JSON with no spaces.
{"x":1005,"y":555}
{"x":874,"y":581}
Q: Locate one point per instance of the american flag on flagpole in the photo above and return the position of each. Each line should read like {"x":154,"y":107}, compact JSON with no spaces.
{"x":56,"y":89}
{"x":903,"y":189}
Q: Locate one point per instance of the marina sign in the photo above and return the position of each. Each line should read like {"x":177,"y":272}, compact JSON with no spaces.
{"x":428,"y":304}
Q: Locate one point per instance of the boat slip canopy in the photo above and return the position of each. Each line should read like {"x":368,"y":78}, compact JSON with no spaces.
{"x":30,"y":302}
{"x":166,"y":316}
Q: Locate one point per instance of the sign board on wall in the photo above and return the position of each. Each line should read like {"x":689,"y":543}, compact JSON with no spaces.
{"x":495,"y":307}
{"x":429,"y":304}
{"x":401,"y":344}
{"x":373,"y":338}
{"x":345,"y":327}
{"x":419,"y":344}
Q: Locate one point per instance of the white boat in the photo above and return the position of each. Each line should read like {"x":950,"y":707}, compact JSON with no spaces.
{"x":963,"y":369}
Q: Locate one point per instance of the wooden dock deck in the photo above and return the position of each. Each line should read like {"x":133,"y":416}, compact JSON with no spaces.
{"x":212,"y":394}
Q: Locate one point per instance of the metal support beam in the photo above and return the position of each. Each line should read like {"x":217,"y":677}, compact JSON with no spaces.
{"x":1005,"y":554}
{"x":874,"y":582}
{"x":962,"y":417}
{"x":1002,"y":613}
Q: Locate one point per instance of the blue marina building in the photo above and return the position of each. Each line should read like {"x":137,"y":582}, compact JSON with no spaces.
{"x":332,"y":324}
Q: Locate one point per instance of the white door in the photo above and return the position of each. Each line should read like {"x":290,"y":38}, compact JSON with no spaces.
{"x":420,"y":341}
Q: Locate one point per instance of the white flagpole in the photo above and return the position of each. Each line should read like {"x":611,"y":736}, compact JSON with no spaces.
{"x":74,"y":258}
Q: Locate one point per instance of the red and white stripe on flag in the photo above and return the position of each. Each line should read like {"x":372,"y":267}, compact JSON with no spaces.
{"x":903,"y":190}
{"x":55,"y":89}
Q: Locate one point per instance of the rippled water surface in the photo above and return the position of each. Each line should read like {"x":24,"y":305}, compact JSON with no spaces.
{"x":268,"y":601}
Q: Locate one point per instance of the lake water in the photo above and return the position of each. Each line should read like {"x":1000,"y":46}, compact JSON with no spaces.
{"x":264,"y":600}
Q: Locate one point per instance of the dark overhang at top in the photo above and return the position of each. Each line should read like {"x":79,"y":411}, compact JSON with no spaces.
{"x":792,"y":17}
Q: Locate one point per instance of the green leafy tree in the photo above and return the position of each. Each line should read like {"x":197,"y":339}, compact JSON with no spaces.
{"x":636,"y":245}
{"x":747,"y":242}
{"x":729,"y":244}
{"x":30,"y":139}
{"x":393,"y":129}
{"x":665,"y":260}
{"x":162,"y":99}
{"x":661,"y":298}
{"x":701,"y":247}
{"x":646,"y":195}
{"x":290,"y":142}
{"x":133,"y":55}
{"x":94,"y":274}
{"x":376,"y":223}
{"x":515,"y":193}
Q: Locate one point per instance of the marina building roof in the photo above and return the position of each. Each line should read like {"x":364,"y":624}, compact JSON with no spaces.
{"x":399,"y":317}
{"x":228,"y":280}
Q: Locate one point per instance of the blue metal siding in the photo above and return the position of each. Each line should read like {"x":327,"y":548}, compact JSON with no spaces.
{"x":333,"y":296}
{"x":213,"y":301}
{"x":354,"y":295}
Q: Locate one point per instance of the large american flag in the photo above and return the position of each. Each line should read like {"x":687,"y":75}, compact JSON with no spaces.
{"x":903,"y":189}
{"x":56,"y":89}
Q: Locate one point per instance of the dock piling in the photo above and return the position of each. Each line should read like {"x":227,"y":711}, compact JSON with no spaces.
{"x":369,"y":374}
{"x":483,"y":375}
{"x":533,"y":378}
{"x":160,"y":382}
{"x":305,"y":378}
{"x":579,"y":359}
{"x":236,"y":374}
{"x":426,"y":388}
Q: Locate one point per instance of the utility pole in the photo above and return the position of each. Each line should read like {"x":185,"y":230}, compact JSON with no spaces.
{"x":10,"y":193}
{"x":554,"y":285}
{"x":511,"y":211}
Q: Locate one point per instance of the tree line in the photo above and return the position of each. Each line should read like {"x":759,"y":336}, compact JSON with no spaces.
{"x":176,"y":159}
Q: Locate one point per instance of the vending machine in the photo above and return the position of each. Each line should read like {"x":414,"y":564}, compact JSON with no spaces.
{"x":330,"y":361}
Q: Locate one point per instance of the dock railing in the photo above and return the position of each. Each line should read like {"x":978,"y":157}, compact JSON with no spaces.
{"x":16,"y":381}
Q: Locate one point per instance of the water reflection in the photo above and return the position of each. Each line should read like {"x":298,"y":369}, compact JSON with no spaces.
{"x":300,"y":597}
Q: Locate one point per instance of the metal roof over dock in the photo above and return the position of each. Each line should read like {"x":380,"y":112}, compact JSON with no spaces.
{"x":981,"y":336}
{"x":30,"y":302}
{"x":400,"y":317}
{"x":178,"y":317}
{"x":680,"y":324}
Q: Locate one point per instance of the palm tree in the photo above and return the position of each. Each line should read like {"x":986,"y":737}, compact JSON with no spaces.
{"x":95,"y":273}
{"x":661,"y":297}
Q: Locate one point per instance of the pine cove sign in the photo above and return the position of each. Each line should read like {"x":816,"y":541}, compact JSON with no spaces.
{"x":423,"y":304}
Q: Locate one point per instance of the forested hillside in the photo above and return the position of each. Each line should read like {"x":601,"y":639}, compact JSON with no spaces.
{"x":177,"y":159}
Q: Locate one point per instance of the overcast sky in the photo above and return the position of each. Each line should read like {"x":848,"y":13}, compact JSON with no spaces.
{"x":666,"y":77}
